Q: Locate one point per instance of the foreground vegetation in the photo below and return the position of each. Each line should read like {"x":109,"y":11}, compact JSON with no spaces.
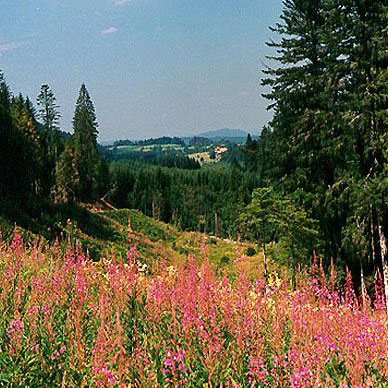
{"x":164,"y":307}
{"x":69,"y":321}
{"x":101,"y":230}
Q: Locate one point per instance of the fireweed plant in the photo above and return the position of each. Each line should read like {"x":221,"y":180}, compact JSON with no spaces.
{"x":67,"y":321}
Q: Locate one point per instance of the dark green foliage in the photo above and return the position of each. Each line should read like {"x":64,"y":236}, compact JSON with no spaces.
{"x":48,"y":112}
{"x":187,"y":198}
{"x":199,"y":141}
{"x":156,"y":157}
{"x":66,"y":176}
{"x":103,"y":177}
{"x":119,"y":143}
{"x":31,"y":156}
{"x":272,"y":217}
{"x":27,"y":162}
{"x":39,"y":175}
{"x":160,"y":141}
{"x":250,"y":251}
{"x":224,"y":260}
{"x":326,"y":145}
{"x":51,"y":139}
{"x":9,"y":155}
{"x":85,"y":146}
{"x":20,"y":153}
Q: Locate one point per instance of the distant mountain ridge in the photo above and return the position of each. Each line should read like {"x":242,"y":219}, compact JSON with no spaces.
{"x":223,"y":133}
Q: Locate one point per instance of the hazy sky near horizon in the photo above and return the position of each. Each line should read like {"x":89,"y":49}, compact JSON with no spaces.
{"x":152,"y":67}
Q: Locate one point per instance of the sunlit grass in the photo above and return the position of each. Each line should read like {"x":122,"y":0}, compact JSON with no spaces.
{"x":68,"y":321}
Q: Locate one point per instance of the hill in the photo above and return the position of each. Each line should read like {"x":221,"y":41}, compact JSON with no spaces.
{"x":224,"y":133}
{"x":70,"y":322}
{"x":101,"y":229}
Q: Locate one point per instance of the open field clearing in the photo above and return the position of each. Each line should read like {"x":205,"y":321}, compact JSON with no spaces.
{"x":68,"y":321}
{"x":201,"y":157}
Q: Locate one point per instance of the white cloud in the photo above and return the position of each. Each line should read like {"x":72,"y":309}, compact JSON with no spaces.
{"x":109,"y":31}
{"x":122,"y":2}
{"x":9,"y":46}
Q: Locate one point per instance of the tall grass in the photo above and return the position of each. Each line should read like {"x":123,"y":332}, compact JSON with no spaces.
{"x":68,"y":321}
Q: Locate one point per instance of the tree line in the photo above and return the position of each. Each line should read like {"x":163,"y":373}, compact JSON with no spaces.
{"x":158,"y":141}
{"x":327,"y":144}
{"x":208,"y":199}
{"x":41,"y":164}
{"x":156,"y":156}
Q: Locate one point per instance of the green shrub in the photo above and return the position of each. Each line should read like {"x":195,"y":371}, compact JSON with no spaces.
{"x":224,"y":260}
{"x":250,"y":251}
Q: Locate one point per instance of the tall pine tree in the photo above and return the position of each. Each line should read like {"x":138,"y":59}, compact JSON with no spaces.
{"x":48,"y":109}
{"x":30,"y":150}
{"x":300,"y":148}
{"x":86,"y":154}
{"x":360,"y":52}
{"x":7,"y":153}
{"x":328,"y":136}
{"x":49,"y":116}
{"x":52,"y":143}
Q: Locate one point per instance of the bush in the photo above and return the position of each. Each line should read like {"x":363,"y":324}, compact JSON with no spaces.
{"x":250,"y":251}
{"x":224,"y":260}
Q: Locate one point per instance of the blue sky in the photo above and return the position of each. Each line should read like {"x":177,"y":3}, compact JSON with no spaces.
{"x":152,"y":67}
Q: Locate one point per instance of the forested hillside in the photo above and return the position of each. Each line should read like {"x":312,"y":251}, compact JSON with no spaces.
{"x":327,"y":145}
{"x":42,"y":165}
{"x":190,"y":199}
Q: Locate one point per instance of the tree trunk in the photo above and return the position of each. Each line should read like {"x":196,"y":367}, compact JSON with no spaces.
{"x":217,"y":226}
{"x":384,"y":262}
{"x":363,"y":287}
{"x":372,"y":231}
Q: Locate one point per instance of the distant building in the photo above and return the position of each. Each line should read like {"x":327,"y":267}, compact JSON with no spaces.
{"x":220,"y":150}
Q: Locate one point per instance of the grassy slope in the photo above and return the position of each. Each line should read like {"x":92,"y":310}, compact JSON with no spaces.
{"x":159,"y":241}
{"x":102,"y":230}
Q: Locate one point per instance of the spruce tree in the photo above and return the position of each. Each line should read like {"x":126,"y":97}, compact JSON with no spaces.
{"x":327,"y":143}
{"x":296,"y":94}
{"x":66,"y":176}
{"x":250,"y":153}
{"x":32,"y":111}
{"x":48,"y":109}
{"x":51,"y":143}
{"x":360,"y":53}
{"x":7,"y":152}
{"x":29,"y":146}
{"x":300,"y":148}
{"x":85,"y":146}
